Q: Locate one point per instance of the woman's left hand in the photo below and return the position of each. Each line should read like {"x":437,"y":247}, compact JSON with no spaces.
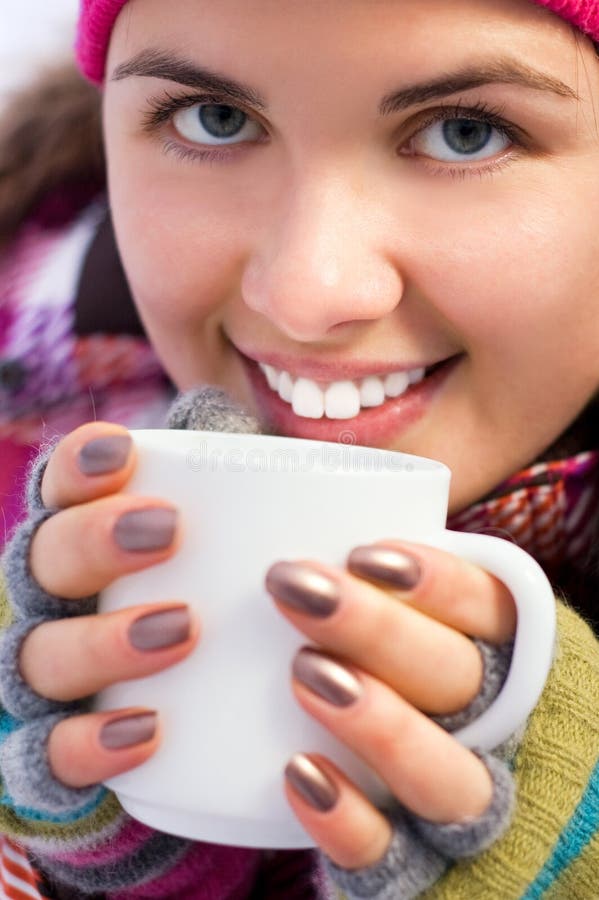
{"x":393,"y":634}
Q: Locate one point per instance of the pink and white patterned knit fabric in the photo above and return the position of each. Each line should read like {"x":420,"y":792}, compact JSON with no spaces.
{"x":51,"y":380}
{"x":18,"y":880}
{"x":97,"y":18}
{"x":548,"y":509}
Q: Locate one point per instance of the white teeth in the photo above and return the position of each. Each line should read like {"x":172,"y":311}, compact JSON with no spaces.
{"x":339,"y":399}
{"x":396,"y":384}
{"x":342,"y":400}
{"x":308,"y":399}
{"x":272,"y":376}
{"x":416,"y":375}
{"x":285,"y":387}
{"x":372,"y":391}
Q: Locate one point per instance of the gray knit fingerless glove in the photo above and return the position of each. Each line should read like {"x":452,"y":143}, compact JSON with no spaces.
{"x":26,"y":775}
{"x":421,"y":851}
{"x":24,"y":769}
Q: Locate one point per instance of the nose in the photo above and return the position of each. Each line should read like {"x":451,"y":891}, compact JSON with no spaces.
{"x":322,"y":262}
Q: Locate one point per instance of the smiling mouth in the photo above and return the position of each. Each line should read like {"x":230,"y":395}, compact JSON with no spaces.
{"x":343,"y":399}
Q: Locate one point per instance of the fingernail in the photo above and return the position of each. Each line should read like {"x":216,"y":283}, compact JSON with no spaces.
{"x":128,"y":731}
{"x":315,"y":787}
{"x":155,"y":631}
{"x":302,"y":588}
{"x":391,"y":568}
{"x":326,"y":677}
{"x":105,"y":454}
{"x":146,"y":529}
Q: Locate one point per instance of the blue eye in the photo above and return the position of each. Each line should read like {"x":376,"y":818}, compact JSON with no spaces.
{"x":459,"y":139}
{"x":466,"y":135}
{"x":456,"y":134}
{"x":215,"y":124}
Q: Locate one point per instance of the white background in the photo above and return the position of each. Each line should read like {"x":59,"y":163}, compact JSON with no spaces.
{"x":32,"y":33}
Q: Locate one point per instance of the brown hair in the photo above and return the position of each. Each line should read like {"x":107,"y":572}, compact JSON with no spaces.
{"x":50,"y":136}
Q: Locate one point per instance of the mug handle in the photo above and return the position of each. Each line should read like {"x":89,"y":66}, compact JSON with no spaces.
{"x":535,"y":633}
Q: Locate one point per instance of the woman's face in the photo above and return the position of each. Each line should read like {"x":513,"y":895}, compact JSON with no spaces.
{"x":397,"y":183}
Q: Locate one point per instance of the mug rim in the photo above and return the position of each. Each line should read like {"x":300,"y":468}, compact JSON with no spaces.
{"x":397,"y":462}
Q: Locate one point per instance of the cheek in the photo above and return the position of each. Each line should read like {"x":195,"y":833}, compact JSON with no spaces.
{"x":178,"y":266}
{"x":181,"y":239}
{"x":514,"y":287}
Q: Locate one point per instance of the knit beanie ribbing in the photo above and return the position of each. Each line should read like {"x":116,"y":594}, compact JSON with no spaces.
{"x":97,"y":18}
{"x":94,"y":27}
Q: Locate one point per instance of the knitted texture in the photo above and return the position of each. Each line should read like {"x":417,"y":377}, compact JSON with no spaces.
{"x":17,"y":697}
{"x":67,"y":379}
{"x":547,"y":509}
{"x":97,"y":18}
{"x":18,"y":880}
{"x":29,"y":599}
{"x":96,"y":21}
{"x":409,"y":867}
{"x":496,"y":663}
{"x":465,"y":839}
{"x":209,"y":408}
{"x":32,"y":784}
{"x":36,"y":473}
{"x":421,"y":851}
{"x":551,"y":850}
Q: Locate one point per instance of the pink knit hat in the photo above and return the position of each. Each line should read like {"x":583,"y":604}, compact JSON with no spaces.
{"x":97,"y":18}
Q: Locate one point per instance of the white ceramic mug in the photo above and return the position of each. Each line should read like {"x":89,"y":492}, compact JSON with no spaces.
{"x":230,"y":720}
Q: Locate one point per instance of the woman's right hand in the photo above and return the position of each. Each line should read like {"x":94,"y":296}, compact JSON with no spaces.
{"x":97,"y":535}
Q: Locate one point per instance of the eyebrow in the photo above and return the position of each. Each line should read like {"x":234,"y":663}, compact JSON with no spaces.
{"x":153,"y":63}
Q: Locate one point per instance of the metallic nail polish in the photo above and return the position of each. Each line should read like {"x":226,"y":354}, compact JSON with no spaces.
{"x":156,"y":631}
{"x":128,"y":731}
{"x":302,"y":588}
{"x":391,"y":568}
{"x":105,"y":454}
{"x":311,"y":783}
{"x":326,"y":678}
{"x":146,"y":529}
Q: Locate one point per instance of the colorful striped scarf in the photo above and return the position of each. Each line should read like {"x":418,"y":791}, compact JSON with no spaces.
{"x":548,"y":509}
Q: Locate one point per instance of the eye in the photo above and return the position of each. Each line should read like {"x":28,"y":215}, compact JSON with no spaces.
{"x":215,"y":124}
{"x":460,"y":139}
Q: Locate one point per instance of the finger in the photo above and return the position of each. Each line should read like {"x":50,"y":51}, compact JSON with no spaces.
{"x":432,"y":666}
{"x":88,"y":749}
{"x":72,"y":658}
{"x":92,"y":461}
{"x":439,"y":584}
{"x":425,"y":768}
{"x":335,"y":813}
{"x":79,"y":551}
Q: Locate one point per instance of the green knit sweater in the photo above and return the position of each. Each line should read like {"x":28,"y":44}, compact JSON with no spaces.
{"x":552,"y":848}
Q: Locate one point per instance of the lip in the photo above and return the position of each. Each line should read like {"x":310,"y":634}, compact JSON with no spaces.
{"x":373,"y":427}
